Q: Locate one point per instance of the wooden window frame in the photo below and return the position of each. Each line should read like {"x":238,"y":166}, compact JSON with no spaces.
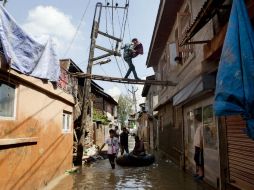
{"x":67,"y":129}
{"x":13,"y":117}
{"x":187,"y":50}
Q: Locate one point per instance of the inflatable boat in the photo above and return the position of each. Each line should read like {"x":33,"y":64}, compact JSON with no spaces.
{"x":133,"y":160}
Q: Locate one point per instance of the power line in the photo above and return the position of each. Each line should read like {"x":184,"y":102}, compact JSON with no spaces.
{"x":77,"y":29}
{"x":127,"y":12}
{"x":113,"y":18}
{"x":121,"y":25}
{"x":128,"y":24}
{"x":112,"y":46}
{"x":111,"y":43}
{"x":106,"y":13}
{"x":108,"y":76}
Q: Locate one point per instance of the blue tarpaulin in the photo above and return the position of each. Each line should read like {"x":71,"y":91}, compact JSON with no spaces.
{"x":25,"y":54}
{"x":235,"y":79}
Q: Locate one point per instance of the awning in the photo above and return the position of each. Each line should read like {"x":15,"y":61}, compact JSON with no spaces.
{"x":206,"y":13}
{"x":199,"y":85}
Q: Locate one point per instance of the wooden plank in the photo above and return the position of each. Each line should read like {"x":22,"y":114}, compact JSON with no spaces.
{"x":247,"y":165}
{"x":243,"y":144}
{"x":215,"y":45}
{"x":240,"y":184}
{"x":238,"y":148}
{"x":4,"y":142}
{"x":246,"y":176}
{"x":245,"y":152}
{"x":123,"y":80}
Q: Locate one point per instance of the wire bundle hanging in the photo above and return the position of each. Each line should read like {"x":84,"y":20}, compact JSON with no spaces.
{"x":122,"y":26}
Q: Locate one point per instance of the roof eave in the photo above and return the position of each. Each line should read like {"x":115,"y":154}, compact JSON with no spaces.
{"x":165,"y":21}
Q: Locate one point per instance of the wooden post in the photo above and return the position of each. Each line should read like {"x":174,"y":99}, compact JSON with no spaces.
{"x":87,"y":83}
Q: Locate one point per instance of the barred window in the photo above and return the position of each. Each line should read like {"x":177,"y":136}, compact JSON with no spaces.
{"x":67,"y":122}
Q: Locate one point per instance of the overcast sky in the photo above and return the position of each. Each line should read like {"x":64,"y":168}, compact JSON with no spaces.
{"x":60,"y":19}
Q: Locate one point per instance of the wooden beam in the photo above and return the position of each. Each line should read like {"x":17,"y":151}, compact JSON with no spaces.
{"x":101,"y":57}
{"x":199,"y":42}
{"x":109,"y":36}
{"x":4,"y":142}
{"x":124,"y":80}
{"x":215,"y":45}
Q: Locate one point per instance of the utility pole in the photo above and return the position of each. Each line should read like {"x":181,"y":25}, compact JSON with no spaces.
{"x":133,"y":92}
{"x":87,"y":82}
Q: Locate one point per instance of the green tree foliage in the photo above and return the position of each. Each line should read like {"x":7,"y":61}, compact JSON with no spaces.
{"x":98,"y":116}
{"x":124,"y":108}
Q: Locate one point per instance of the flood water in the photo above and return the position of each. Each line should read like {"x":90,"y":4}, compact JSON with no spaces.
{"x":161,"y":175}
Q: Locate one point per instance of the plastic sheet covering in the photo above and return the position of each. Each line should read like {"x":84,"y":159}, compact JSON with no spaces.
{"x":235,"y":79}
{"x":25,"y":54}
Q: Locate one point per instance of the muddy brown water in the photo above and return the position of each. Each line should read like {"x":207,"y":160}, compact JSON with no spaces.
{"x":163,"y":174}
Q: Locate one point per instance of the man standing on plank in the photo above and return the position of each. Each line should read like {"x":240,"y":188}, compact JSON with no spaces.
{"x":131,"y":51}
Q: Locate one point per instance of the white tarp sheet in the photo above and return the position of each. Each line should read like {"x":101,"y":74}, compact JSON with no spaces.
{"x":26,"y":54}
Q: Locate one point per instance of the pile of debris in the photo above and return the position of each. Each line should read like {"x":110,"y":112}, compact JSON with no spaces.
{"x":92,"y":154}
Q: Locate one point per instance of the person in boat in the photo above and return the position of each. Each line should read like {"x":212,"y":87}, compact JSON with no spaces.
{"x":113,"y":146}
{"x":139,"y":149}
{"x":131,"y":51}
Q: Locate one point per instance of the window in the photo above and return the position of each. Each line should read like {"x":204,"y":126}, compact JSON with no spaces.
{"x":191,"y":127}
{"x":172,"y":54}
{"x":205,"y":116}
{"x":112,"y":110}
{"x":67,"y":122}
{"x":183,"y":22}
{"x":7,"y":100}
{"x":210,"y":129}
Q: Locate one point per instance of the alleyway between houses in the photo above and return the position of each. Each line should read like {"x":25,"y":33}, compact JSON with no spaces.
{"x":161,"y":175}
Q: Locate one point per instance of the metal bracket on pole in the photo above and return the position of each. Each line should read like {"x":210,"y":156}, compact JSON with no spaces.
{"x":109,"y":36}
{"x":104,"y":49}
{"x":101,"y":57}
{"x":114,"y":52}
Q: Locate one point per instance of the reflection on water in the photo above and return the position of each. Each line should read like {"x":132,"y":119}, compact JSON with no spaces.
{"x":99,"y":175}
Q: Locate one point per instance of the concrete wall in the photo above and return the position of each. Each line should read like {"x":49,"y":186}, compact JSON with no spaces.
{"x":170,"y":134}
{"x":39,"y":117}
{"x":190,"y":68}
{"x":101,"y":133}
{"x":143,"y":129}
{"x":171,"y":118}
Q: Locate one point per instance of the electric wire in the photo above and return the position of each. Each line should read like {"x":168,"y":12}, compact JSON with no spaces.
{"x":128,"y":25}
{"x":113,"y":18}
{"x":125,"y":16}
{"x":77,"y":29}
{"x":112,"y":46}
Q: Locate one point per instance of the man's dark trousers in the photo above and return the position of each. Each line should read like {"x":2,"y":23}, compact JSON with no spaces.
{"x":131,"y":68}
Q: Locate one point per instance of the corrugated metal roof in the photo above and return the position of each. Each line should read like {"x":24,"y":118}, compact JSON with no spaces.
{"x":205,"y":14}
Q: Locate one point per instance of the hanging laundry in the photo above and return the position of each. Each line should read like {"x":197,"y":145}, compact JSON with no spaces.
{"x":25,"y":54}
